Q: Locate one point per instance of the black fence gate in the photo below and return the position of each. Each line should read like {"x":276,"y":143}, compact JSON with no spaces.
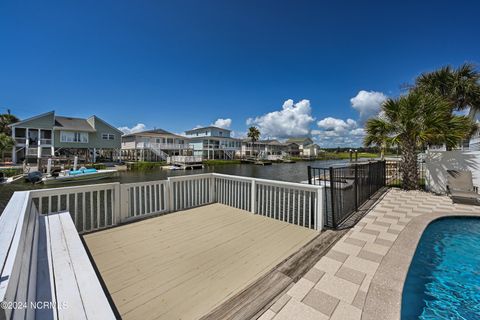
{"x":347,"y":188}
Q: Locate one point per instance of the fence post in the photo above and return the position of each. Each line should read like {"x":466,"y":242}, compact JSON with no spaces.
{"x":253,"y":199}
{"x":319,"y":208}
{"x":332,"y":188}
{"x":355,"y":186}
{"x":122,"y":203}
{"x":309,"y":168}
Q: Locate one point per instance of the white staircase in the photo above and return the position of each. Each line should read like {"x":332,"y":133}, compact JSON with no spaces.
{"x":159,"y":153}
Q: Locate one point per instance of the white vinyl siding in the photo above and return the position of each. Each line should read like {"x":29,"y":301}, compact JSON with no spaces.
{"x":73,"y":136}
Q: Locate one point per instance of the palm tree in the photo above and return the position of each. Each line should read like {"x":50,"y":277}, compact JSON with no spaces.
{"x":460,"y":87}
{"x":6,"y":143}
{"x":378,"y":137}
{"x":410,"y":122}
{"x":254,"y":135}
{"x":5,"y":120}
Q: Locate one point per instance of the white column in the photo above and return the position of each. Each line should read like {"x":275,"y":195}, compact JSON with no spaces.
{"x":27,"y":142}
{"x":39,"y":143}
{"x":52,"y":151}
{"x":94,"y":155}
{"x":14,"y":154}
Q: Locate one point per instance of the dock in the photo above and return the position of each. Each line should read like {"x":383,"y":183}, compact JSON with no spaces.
{"x":186,"y":162}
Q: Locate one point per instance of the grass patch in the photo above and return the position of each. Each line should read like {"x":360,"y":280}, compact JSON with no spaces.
{"x":220,"y":162}
{"x":10,"y":172}
{"x":346,"y":155}
{"x":145,"y":165}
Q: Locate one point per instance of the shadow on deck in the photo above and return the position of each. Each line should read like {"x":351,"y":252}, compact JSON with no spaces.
{"x":186,"y":264}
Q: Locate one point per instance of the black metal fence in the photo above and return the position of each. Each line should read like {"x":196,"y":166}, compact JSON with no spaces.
{"x":347,"y":188}
{"x":394,"y":173}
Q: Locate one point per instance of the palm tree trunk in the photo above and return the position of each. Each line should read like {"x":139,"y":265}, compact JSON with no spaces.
{"x":409,"y":170}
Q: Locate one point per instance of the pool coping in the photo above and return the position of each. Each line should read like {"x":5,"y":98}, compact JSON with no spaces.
{"x":384,"y":297}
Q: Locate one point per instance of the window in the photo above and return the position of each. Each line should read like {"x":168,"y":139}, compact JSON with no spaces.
{"x":108,"y":136}
{"x":71,"y":136}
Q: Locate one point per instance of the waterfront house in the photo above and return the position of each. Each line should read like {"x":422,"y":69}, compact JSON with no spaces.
{"x":302,"y":143}
{"x":474,"y":143}
{"x":154,"y":145}
{"x":49,"y":135}
{"x":311,"y":150}
{"x":261,"y":147}
{"x":213,"y":143}
{"x":268,"y":148}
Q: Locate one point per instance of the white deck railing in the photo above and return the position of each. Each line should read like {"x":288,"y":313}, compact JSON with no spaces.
{"x":42,"y":258}
{"x":99,"y":206}
{"x":45,"y":272}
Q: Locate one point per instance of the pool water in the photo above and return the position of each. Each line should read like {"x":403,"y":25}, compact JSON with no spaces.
{"x":443,"y":281}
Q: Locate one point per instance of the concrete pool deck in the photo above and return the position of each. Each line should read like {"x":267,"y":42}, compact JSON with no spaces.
{"x":362,"y":276}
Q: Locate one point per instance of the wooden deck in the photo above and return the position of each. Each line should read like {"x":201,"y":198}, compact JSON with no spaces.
{"x":183,"y":265}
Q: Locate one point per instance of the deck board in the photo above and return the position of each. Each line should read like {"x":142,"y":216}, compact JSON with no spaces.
{"x":183,"y":265}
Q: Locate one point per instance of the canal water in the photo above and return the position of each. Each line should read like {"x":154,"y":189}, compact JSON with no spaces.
{"x":292,"y":172}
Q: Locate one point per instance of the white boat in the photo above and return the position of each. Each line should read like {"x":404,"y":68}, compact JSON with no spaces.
{"x":339,"y":184}
{"x":83,"y":174}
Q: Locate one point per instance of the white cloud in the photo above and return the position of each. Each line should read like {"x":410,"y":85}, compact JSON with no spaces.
{"x":338,"y":133}
{"x":136,"y":128}
{"x":293,"y":120}
{"x":223,"y":123}
{"x":367,"y":103}
{"x":335,"y":124}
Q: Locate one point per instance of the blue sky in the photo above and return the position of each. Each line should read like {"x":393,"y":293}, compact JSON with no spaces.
{"x":179,"y":64}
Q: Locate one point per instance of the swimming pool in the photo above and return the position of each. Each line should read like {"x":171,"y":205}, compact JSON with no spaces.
{"x":443,"y":281}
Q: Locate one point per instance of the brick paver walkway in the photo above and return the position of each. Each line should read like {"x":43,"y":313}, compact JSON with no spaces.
{"x":337,"y":286}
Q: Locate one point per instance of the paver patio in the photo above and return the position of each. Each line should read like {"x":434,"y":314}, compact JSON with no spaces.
{"x":340,"y":283}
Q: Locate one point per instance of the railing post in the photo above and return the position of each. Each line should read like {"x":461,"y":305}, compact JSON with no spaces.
{"x":309,"y":168}
{"x":122,"y":203}
{"x":253,"y":199}
{"x":319,"y":208}
{"x":170,"y":202}
{"x":211,"y":189}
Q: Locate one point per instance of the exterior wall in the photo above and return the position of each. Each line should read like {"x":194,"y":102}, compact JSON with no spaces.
{"x":94,"y":140}
{"x":438,"y":162}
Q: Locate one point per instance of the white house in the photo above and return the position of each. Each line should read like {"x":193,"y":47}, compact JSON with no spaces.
{"x":213,"y":143}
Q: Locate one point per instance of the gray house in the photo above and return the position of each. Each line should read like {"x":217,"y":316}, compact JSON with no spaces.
{"x":48,"y":135}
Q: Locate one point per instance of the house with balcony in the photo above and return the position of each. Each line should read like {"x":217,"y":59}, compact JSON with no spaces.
{"x":213,"y":143}
{"x":154,"y":145}
{"x":307,"y":148}
{"x":51,"y":136}
{"x":266,"y":148}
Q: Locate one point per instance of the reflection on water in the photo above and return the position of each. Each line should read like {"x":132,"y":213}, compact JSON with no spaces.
{"x":292,"y":172}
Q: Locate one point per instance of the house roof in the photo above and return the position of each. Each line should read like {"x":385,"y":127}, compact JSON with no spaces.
{"x":154,"y":132}
{"x":31,"y":118}
{"x":268,"y":141}
{"x":204,"y":128}
{"x":76,"y":124}
{"x":299,"y":140}
{"x":312,"y":145}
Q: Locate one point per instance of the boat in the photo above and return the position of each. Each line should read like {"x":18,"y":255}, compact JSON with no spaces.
{"x":171,"y":168}
{"x":339,"y":184}
{"x":82,"y":174}
{"x":288,"y":161}
{"x":6,"y":180}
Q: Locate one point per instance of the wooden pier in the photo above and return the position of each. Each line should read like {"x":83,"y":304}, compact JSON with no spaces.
{"x":186,"y":162}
